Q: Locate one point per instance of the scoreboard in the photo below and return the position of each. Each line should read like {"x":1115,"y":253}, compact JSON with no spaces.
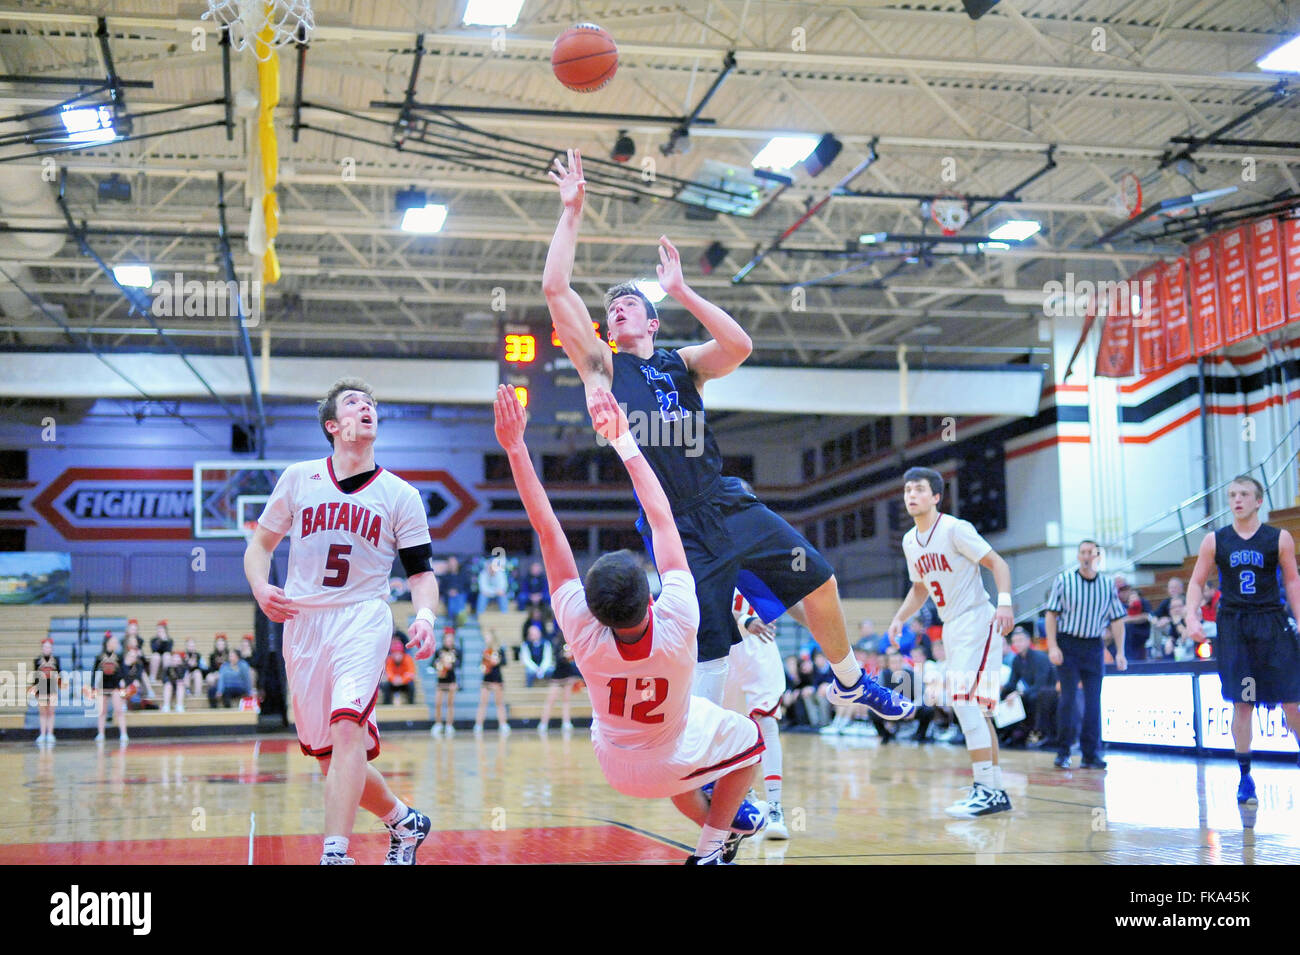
{"x":533,"y":363}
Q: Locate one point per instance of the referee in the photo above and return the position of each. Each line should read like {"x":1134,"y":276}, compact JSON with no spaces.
{"x":1083,"y":605}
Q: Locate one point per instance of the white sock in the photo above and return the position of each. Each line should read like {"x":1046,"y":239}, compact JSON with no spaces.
{"x":771,"y":758}
{"x":710,"y":680}
{"x":985,"y":774}
{"x":397,"y":813}
{"x":997,"y":778}
{"x":711,"y":841}
{"x":847,"y":671}
{"x":336,"y":845}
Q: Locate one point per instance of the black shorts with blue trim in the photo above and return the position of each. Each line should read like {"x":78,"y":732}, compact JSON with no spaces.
{"x":732,"y":540}
{"x":1259,"y":657}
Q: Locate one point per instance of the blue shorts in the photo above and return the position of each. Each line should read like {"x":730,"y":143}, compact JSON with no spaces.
{"x":1258,"y":656}
{"x":732,"y":541}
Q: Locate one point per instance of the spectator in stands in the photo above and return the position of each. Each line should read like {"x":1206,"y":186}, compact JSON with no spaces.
{"x":925,"y":711}
{"x":564,"y":680}
{"x":938,"y":685}
{"x":216,"y":659}
{"x":537,"y":656}
{"x":541,"y":617}
{"x":1137,"y":624}
{"x":1033,"y":679}
{"x":867,"y":636}
{"x":818,"y":702}
{"x":912,"y":633}
{"x":446,"y":664}
{"x":174,"y":673}
{"x":159,"y":647}
{"x":493,"y":585}
{"x":195,"y":667}
{"x":46,"y":680}
{"x":397,"y":589}
{"x":134,"y":685}
{"x":234,"y":679}
{"x":793,"y":711}
{"x":248,"y":653}
{"x":108,"y":666}
{"x":532,"y":589}
{"x":493,"y":660}
{"x":454,"y":585}
{"x":1174,"y":642}
{"x":1174,"y":588}
{"x":1210,"y":606}
{"x":132,"y":630}
{"x":132,"y":643}
{"x":399,"y":672}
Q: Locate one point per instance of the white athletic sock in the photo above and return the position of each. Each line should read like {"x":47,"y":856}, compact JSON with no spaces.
{"x":771,"y":758}
{"x":710,"y":680}
{"x":397,"y":814}
{"x":983,"y":771}
{"x":711,"y":841}
{"x":997,"y":778}
{"x":336,"y":845}
{"x":847,"y":671}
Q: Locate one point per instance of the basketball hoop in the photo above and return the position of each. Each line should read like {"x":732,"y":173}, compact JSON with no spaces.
{"x":1127,"y":200}
{"x":249,"y":20}
{"x":949,"y":213}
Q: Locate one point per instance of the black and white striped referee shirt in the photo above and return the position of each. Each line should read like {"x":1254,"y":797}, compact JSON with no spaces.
{"x":1085,"y":607}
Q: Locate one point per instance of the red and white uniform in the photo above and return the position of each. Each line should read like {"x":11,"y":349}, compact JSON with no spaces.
{"x":755,"y":673}
{"x":652,"y":738}
{"x":946,"y":559}
{"x":341,"y":551}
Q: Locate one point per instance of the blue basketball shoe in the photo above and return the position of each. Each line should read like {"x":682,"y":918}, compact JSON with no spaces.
{"x":1246,"y":791}
{"x":885,"y":703}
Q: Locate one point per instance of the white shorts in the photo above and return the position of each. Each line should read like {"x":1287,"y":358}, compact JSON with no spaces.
{"x":755,"y":677}
{"x":715,"y":742}
{"x":974,"y":657}
{"x":334,"y":658}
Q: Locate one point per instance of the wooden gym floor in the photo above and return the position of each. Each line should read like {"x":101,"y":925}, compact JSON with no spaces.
{"x":525,"y":799}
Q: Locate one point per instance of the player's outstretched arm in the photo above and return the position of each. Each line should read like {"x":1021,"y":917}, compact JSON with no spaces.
{"x":1196,"y":588}
{"x":914,"y":601}
{"x":257,"y":568}
{"x":590,"y":356}
{"x":730,"y":345}
{"x":557,"y":557}
{"x":611,"y":424}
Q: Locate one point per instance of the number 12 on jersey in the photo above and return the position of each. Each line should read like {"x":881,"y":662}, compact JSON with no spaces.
{"x":652,"y":691}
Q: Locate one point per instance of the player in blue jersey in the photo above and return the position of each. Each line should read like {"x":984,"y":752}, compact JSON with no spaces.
{"x":732,"y":540}
{"x":1257,"y":649}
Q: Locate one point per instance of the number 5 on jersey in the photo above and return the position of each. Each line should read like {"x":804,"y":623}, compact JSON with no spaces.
{"x":336,"y":561}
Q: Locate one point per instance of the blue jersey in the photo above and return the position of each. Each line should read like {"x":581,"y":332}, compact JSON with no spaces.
{"x":666,"y":416}
{"x":1248,"y":569}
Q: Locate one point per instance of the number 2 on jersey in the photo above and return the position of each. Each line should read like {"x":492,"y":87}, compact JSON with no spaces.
{"x":643,"y":712}
{"x":1247,"y":581}
{"x":938,"y":593}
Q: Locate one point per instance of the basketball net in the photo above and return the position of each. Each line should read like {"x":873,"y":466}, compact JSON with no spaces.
{"x":949,"y":213}
{"x":286,"y":21}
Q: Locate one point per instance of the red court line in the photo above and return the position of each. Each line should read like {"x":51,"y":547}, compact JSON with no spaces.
{"x":558,"y":844}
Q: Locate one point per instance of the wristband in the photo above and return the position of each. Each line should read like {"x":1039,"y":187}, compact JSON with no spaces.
{"x":625,"y":446}
{"x":1004,"y":599}
{"x":426,"y":615}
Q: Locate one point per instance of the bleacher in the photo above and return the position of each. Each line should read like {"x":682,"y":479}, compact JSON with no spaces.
{"x":26,"y":626}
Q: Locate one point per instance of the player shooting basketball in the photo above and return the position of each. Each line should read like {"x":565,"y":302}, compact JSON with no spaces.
{"x":349,"y":519}
{"x":731,"y":540}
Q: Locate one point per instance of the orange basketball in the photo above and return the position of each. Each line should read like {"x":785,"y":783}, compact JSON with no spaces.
{"x":584,"y":58}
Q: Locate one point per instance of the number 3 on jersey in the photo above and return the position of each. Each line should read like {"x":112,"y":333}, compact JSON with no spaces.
{"x":653,"y":692}
{"x":938,"y":593}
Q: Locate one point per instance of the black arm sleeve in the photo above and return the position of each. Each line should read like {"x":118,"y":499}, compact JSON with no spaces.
{"x":417,"y":559}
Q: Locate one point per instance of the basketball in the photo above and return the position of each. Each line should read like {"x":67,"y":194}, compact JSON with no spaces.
{"x":584,"y":58}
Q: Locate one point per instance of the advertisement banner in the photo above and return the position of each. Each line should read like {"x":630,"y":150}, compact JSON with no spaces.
{"x":1153,"y":710}
{"x":1269,"y":734}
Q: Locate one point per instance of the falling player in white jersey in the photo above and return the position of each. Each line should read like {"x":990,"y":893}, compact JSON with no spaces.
{"x":755,"y":684}
{"x":348,"y":520}
{"x":944,"y":556}
{"x":652,"y":738}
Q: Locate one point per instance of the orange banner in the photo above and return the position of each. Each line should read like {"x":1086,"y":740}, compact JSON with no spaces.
{"x":1266,"y":274}
{"x":1173,"y":308}
{"x":1203,"y":269}
{"x":1234,"y":282}
{"x":1115,"y":354}
{"x":1291,"y":258}
{"x":1148,"y":319}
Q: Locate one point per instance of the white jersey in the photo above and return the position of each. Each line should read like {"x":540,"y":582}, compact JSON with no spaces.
{"x":946,"y":558}
{"x":640,"y":693}
{"x":342,"y":546}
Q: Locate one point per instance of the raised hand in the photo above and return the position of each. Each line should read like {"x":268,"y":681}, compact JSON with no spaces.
{"x":510,"y":418}
{"x":606,"y":415}
{"x":669,"y":268}
{"x":573,"y":187}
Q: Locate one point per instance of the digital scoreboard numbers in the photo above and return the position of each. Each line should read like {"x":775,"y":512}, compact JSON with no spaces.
{"x":533,"y":363}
